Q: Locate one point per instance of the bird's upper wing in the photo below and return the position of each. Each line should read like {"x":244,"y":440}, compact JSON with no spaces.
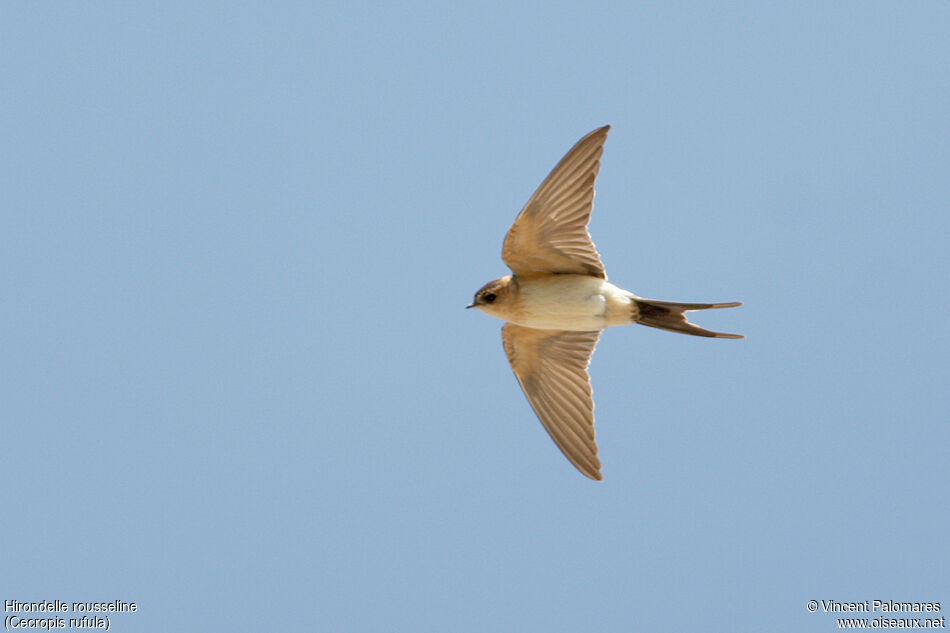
{"x":551,"y":367}
{"x":550,"y":234}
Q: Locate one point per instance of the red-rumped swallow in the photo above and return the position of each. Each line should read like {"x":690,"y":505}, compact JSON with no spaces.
{"x":558,"y":300}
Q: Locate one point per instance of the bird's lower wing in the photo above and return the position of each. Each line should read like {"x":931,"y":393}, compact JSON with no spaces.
{"x":551,"y":367}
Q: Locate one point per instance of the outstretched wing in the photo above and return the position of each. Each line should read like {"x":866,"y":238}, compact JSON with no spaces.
{"x":551,"y":367}
{"x":550,"y":234}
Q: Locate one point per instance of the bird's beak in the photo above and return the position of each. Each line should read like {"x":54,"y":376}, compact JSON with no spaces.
{"x":471,"y":305}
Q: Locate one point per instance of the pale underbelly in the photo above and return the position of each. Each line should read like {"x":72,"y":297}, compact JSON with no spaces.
{"x":572,"y":302}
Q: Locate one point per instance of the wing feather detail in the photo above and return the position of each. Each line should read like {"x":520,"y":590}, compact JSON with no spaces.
{"x":551,"y":367}
{"x":550,"y":234}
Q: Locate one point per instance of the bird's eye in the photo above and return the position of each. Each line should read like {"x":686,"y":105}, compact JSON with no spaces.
{"x":488,"y":297}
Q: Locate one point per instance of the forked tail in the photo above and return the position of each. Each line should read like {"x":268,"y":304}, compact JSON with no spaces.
{"x":668,"y":315}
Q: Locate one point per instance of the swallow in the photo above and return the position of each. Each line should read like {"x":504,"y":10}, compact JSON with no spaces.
{"x":557,"y":301}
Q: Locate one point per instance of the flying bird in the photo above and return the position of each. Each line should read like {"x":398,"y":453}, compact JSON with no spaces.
{"x":557,"y":301}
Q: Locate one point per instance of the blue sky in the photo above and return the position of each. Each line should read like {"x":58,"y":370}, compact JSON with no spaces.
{"x":239,"y":387}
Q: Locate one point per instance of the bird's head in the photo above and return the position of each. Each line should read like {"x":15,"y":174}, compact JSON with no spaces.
{"x":493,"y":298}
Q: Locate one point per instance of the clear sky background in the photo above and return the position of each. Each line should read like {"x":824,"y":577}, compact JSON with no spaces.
{"x":239,"y":387}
